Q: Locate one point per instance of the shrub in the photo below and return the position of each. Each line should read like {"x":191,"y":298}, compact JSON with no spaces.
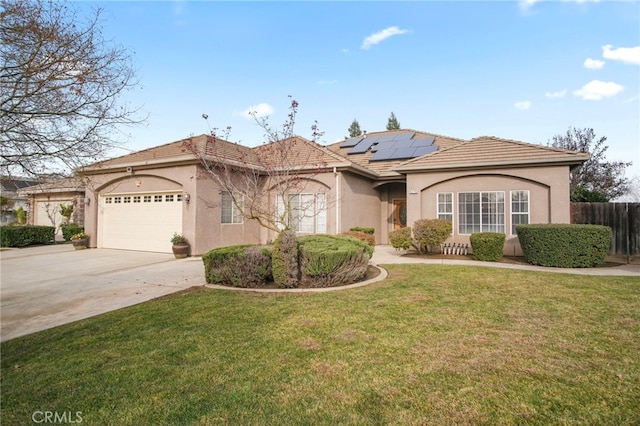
{"x":401,"y":238}
{"x":69,"y":230}
{"x":368,"y":238}
{"x":431,"y":232}
{"x":284,"y":259}
{"x":21,"y":216}
{"x":22,"y":236}
{"x":369,"y":231}
{"x":330,"y":260}
{"x":487,"y":246}
{"x":239,"y":266}
{"x":564,"y":245}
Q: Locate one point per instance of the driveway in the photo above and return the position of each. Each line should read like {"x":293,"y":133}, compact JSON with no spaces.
{"x":43,"y":287}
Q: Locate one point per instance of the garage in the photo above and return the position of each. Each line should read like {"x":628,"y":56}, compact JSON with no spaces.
{"x":139,"y":221}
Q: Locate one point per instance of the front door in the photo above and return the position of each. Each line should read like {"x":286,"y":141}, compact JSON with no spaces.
{"x":399,"y":214}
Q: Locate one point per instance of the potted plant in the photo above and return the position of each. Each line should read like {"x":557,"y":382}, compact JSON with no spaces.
{"x":80,"y":241}
{"x":180,"y":246}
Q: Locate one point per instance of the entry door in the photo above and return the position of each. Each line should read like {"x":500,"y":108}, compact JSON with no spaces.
{"x":399,"y":214}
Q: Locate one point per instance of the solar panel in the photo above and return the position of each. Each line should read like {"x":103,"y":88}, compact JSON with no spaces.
{"x":349,"y":143}
{"x":422,"y":142}
{"x":423,"y":150}
{"x":364,"y":145}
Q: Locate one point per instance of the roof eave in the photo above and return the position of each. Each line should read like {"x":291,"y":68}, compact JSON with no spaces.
{"x":561,"y":161}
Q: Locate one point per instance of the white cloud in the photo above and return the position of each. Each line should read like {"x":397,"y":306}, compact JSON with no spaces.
{"x":260,"y":110}
{"x":628,"y":55}
{"x":527,"y":4}
{"x":555,"y":95}
{"x":523,"y":105}
{"x":596,"y":90}
{"x":593,"y":64}
{"x":376,"y":38}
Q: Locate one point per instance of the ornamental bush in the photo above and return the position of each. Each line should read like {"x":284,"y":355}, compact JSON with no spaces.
{"x":331,"y":260}
{"x":246,"y":266}
{"x":22,"y":236}
{"x":487,"y":246}
{"x":284,"y":260}
{"x":70,"y":230}
{"x":369,"y":231}
{"x":400,"y":239}
{"x":431,"y":233}
{"x":367,"y":238}
{"x":564,"y":245}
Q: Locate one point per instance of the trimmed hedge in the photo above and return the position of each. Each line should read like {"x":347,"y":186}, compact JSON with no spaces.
{"x":331,"y":260}
{"x":285,"y":260}
{"x":564,"y":245}
{"x":400,"y":238}
{"x":246,"y":266}
{"x":431,"y":233}
{"x":363,"y":236}
{"x":22,"y":236}
{"x":70,"y":230}
{"x":369,"y":231}
{"x":487,"y":246}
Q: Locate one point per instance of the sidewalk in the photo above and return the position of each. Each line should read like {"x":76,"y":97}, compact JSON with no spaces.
{"x":386,"y":255}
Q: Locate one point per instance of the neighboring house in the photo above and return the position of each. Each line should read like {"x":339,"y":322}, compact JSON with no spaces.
{"x":386,"y":180}
{"x":45,"y":200}
{"x":9,"y":189}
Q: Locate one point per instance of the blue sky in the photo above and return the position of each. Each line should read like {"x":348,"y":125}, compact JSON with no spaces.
{"x":520,"y":70}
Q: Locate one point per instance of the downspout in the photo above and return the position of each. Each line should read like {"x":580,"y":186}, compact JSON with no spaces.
{"x":337,"y":185}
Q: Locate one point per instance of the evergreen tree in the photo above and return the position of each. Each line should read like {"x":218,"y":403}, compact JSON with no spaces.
{"x":393,"y":123}
{"x":354,"y":129}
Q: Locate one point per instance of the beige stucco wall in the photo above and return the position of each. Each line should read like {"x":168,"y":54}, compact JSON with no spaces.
{"x":359,"y":203}
{"x":548,"y":202}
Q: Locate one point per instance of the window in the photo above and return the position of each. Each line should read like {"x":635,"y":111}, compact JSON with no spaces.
{"x":445,"y":206}
{"x":157,"y":198}
{"x":147,"y":198}
{"x":480,"y":212}
{"x":519,"y":209}
{"x":127,"y":199}
{"x":230,"y":211}
{"x":108,"y":200}
{"x":117,"y":200}
{"x":308,"y":212}
{"x":168,"y":198}
{"x":136,"y":198}
{"x":179,"y":197}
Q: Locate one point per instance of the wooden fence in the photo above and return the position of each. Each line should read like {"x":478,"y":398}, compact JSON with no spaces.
{"x":624,"y":221}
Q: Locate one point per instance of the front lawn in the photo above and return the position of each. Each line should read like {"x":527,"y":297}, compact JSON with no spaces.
{"x":432,"y":344}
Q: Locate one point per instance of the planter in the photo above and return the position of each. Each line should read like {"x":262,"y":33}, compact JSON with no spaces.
{"x":80,"y":244}
{"x":180,"y":251}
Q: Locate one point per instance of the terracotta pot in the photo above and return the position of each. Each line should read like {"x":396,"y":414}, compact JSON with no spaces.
{"x":180,"y":251}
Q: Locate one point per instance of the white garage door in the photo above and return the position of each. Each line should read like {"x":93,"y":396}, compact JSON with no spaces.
{"x":144,"y":222}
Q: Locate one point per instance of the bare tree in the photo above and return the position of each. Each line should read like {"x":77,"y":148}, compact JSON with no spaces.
{"x":264,"y":183}
{"x":60,"y":87}
{"x":596,"y":177}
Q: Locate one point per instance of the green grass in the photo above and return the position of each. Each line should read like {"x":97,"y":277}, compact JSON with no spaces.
{"x":429,"y":345}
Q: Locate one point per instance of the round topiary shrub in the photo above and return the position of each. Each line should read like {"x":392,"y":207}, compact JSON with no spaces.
{"x":332,"y":260}
{"x":487,"y":246}
{"x":238,"y":266}
{"x":564,"y":245}
{"x":431,"y":233}
{"x":400,"y":239}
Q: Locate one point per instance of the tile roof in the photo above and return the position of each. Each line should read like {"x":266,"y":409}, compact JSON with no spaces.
{"x":490,"y":151}
{"x":485,"y":151}
{"x":70,"y":184}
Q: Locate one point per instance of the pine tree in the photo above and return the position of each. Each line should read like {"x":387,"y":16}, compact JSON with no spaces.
{"x":393,"y":123}
{"x":354,"y":129}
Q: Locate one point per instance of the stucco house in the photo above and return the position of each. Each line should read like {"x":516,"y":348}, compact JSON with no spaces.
{"x":385,"y":180}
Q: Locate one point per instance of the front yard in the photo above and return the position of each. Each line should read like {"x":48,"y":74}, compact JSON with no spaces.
{"x":429,"y":345}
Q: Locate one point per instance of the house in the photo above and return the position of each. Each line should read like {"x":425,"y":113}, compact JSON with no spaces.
{"x":385,"y":180}
{"x":9,"y":187}
{"x":45,"y":199}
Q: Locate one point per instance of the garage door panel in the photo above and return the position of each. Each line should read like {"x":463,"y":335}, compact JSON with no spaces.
{"x":144,"y":222}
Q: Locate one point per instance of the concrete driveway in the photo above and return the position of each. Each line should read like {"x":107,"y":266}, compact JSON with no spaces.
{"x":43,"y":287}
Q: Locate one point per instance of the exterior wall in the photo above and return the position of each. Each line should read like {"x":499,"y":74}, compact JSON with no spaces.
{"x":44,"y":209}
{"x":359,"y":204}
{"x":548,"y":195}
